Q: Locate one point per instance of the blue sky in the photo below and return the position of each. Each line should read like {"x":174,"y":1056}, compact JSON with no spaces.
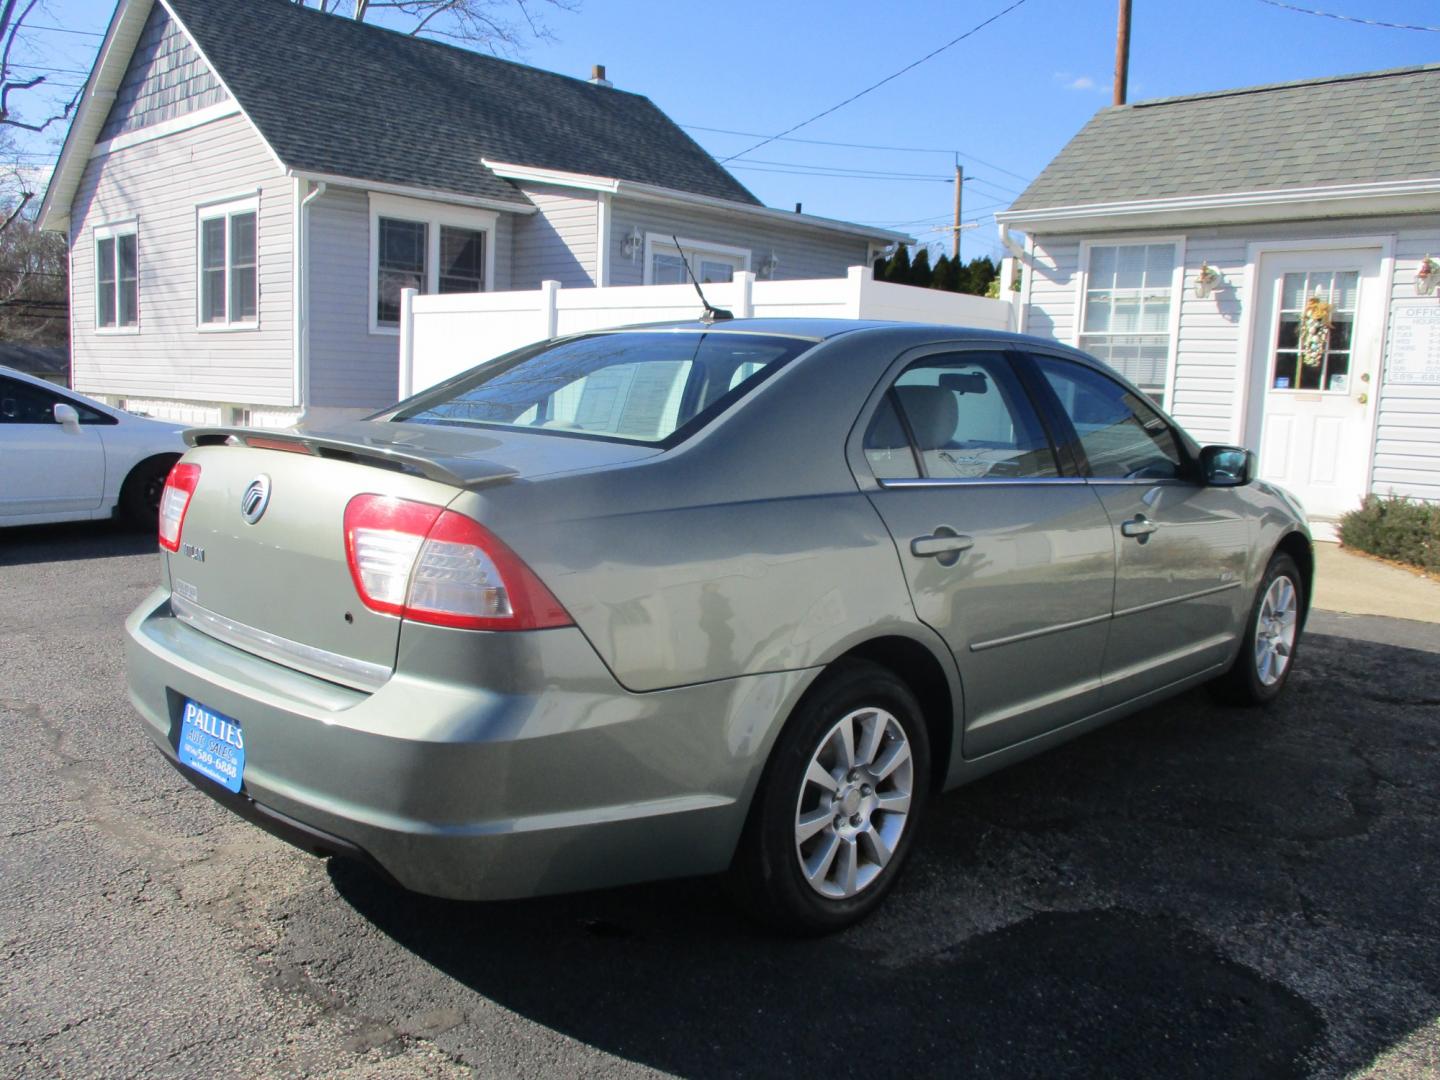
{"x":1006,"y":99}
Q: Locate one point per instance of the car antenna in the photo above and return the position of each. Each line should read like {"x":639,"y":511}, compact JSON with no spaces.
{"x":712,"y":313}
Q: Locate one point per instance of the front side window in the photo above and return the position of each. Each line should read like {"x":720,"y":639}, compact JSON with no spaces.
{"x":22,"y":403}
{"x":117,"y":278}
{"x":637,"y":387}
{"x":229,"y":282}
{"x":1122,"y":435}
{"x":966,"y":416}
{"x":1126,"y":323}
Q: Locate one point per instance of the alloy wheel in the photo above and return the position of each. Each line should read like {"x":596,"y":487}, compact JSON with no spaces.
{"x":854,"y":803}
{"x":1276,"y":626}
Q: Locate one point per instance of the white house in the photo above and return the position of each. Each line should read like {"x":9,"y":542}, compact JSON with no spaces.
{"x":248,"y":187}
{"x":1183,"y":239}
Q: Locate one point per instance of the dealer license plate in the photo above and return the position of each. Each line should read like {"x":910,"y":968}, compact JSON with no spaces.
{"x":211,"y":743}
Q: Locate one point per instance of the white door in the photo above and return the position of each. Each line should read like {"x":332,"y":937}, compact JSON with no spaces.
{"x":1310,"y":409}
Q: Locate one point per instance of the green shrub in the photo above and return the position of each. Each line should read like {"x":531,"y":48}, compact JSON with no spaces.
{"x":1395,"y":528}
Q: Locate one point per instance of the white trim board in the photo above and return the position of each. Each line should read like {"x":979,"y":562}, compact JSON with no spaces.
{"x":173,"y":126}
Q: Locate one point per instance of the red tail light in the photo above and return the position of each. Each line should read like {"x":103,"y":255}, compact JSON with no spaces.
{"x":432,"y":565}
{"x":174,"y":501}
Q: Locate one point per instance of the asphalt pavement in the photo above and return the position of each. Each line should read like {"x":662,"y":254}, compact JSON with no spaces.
{"x":1194,"y":891}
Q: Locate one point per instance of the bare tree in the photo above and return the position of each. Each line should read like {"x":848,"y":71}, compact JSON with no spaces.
{"x":34,"y":291}
{"x":502,"y":26}
{"x":15,"y":182}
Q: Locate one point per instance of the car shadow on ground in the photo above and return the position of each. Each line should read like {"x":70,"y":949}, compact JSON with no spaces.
{"x":1195,"y":891}
{"x":25,"y":544}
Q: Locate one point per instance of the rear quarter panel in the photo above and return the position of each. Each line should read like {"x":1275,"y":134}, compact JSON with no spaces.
{"x":747,"y":549}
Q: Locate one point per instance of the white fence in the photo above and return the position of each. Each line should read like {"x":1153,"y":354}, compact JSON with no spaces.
{"x":441,"y":336}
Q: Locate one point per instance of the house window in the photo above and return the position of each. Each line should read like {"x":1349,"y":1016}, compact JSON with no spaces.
{"x":229,"y":281}
{"x":1129,"y":292}
{"x":117,"y":278}
{"x":429,"y":247}
{"x":709,"y":262}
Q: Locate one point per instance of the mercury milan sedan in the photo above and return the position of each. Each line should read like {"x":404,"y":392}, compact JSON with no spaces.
{"x":693,"y":599}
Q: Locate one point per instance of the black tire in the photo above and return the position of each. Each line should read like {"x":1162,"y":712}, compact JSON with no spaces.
{"x":766,"y":875}
{"x":140,"y":494}
{"x":1244,"y":683}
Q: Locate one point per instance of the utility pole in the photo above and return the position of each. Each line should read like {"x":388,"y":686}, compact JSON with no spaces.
{"x":959,"y":189}
{"x":1122,"y":53}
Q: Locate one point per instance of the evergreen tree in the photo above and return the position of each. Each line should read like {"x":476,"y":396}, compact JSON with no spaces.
{"x":898,"y":268}
{"x":880,"y":263}
{"x":920,"y":272}
{"x":944,"y":277}
{"x":976,"y":275}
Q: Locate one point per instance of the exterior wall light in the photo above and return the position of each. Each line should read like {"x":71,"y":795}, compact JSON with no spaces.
{"x":769,"y":264}
{"x":632,"y":246}
{"x":1428,"y":276}
{"x":1207,"y":280}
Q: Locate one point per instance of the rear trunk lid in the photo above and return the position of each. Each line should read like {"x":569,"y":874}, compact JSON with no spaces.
{"x":280,"y":586}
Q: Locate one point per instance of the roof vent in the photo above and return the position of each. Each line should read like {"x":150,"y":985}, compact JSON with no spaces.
{"x":597,"y":76}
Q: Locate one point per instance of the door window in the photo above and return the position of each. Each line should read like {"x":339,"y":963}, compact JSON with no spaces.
{"x":967,"y":417}
{"x":21,"y":403}
{"x":1121,"y":434}
{"x":1316,"y":326}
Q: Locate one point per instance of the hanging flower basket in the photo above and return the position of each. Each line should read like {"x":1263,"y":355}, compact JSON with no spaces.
{"x":1314,"y":331}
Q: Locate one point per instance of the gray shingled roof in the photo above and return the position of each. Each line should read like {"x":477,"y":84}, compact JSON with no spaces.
{"x":334,"y":96}
{"x":1351,"y":129}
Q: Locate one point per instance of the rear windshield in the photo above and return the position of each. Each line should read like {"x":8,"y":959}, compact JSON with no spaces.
{"x":649,"y":387}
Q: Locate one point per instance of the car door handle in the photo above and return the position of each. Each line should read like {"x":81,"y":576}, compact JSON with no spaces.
{"x":1139,"y":527}
{"x":927,"y":547}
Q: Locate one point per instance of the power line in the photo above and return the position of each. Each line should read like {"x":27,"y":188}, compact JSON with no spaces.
{"x":847,"y":169}
{"x":1351,"y":18}
{"x":862,"y":146}
{"x":849,"y":176}
{"x":61,"y":30}
{"x":875,"y":86}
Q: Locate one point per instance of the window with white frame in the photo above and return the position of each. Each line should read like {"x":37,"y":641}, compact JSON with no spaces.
{"x":229,"y":287}
{"x":709,"y":262}
{"x":427,"y":247}
{"x":117,"y":277}
{"x":1129,"y":297}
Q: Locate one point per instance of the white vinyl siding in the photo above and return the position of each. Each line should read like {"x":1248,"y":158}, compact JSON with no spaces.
{"x":351,"y":368}
{"x":800,"y":252}
{"x":1211,"y":343}
{"x":557,"y":243}
{"x":160,"y":184}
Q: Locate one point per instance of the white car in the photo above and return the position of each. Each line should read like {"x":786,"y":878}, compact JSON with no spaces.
{"x":67,"y":457}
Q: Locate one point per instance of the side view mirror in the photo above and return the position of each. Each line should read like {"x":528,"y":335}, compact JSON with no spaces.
{"x":66,"y":416}
{"x":1227,"y":466}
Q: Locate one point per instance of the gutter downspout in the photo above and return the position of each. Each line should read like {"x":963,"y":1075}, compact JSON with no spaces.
{"x":302,"y":267}
{"x":1007,"y":277}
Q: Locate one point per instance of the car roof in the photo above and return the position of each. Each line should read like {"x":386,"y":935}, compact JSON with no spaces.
{"x":824,"y":329}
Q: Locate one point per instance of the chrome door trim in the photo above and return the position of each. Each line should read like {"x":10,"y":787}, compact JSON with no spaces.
{"x":1178,"y":599}
{"x":995,"y":643}
{"x":989,"y":481}
{"x":345,"y":670}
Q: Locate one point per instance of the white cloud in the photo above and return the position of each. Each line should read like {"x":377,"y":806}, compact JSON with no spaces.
{"x":1075,"y":82}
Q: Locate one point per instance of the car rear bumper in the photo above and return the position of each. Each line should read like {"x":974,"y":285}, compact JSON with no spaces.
{"x":490,"y":766}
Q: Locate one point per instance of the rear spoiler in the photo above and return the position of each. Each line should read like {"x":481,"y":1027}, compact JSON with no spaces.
{"x":462,"y":472}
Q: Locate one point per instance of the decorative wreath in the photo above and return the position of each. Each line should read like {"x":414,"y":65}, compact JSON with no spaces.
{"x":1314,"y":331}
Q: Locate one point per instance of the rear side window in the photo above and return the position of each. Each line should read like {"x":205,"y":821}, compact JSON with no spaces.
{"x":1122,"y":434}
{"x":969,"y":418}
{"x":637,"y":387}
